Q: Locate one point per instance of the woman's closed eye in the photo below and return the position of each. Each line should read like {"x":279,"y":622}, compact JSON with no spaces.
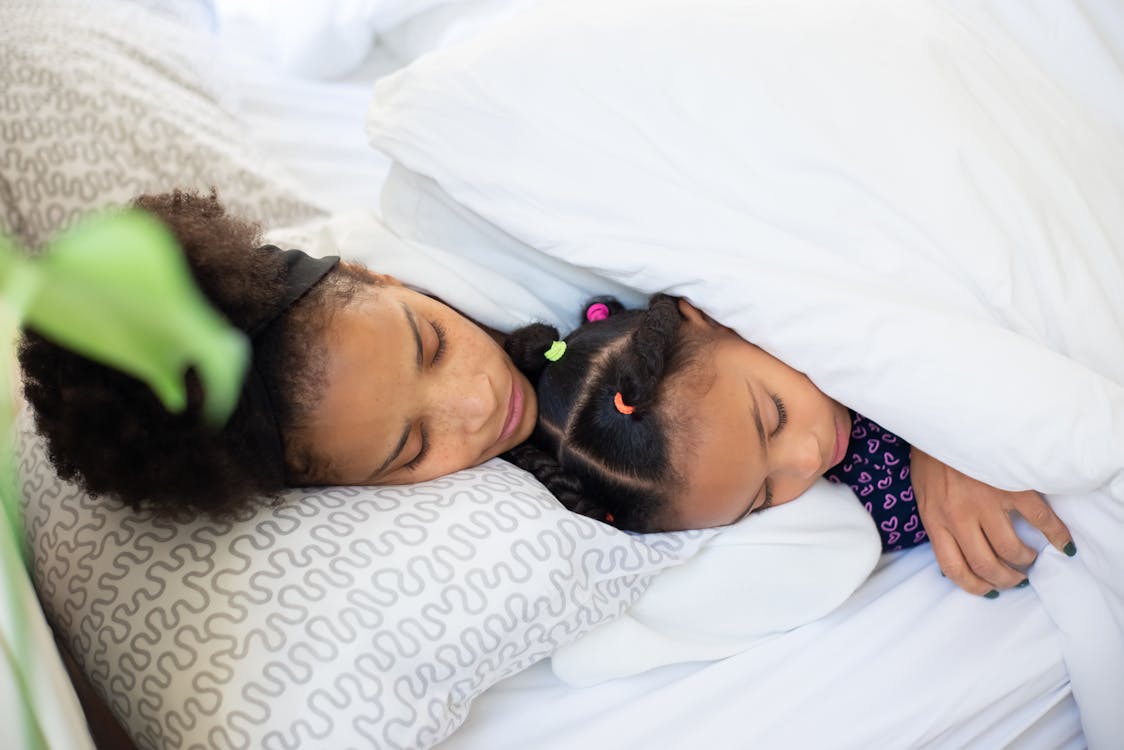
{"x":439,"y":351}
{"x":416,"y":461}
{"x":782,"y":414}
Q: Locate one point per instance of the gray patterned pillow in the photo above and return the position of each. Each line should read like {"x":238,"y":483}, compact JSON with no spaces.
{"x":344,"y":617}
{"x":101,"y":101}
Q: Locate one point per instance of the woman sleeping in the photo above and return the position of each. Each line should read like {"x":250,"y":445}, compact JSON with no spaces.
{"x":357,"y":379}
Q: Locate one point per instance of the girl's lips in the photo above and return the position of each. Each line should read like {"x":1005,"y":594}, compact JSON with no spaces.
{"x":842,"y":439}
{"x":514,"y":412}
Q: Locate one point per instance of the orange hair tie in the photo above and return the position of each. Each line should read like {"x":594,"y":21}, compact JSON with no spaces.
{"x":609,"y":518}
{"x":622,"y":407}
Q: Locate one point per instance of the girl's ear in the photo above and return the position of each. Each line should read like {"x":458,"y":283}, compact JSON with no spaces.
{"x":694,"y":315}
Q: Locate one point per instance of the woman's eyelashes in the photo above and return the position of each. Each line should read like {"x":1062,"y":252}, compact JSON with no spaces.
{"x":439,"y":351}
{"x":782,"y":414}
{"x":768,"y":496}
{"x":416,"y":461}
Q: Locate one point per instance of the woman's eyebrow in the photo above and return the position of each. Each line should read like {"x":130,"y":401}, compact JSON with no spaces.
{"x":413,"y":322}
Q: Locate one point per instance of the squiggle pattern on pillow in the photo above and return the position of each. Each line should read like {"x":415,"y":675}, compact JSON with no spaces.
{"x":102,"y":101}
{"x":342,"y":617}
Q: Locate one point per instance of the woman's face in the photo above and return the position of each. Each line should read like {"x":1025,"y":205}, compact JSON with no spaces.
{"x":759,"y":433}
{"x":413,"y":391}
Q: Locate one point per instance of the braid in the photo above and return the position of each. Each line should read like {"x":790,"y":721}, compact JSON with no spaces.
{"x":649,"y":349}
{"x":526,"y":347}
{"x":563,"y":485}
{"x":599,"y":461}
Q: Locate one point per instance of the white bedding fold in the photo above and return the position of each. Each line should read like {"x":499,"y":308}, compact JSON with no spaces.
{"x":898,"y":199}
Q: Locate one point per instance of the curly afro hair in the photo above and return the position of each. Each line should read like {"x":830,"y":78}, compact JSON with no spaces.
{"x":107,"y":432}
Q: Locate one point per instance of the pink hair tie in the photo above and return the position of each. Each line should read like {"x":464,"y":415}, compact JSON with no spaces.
{"x":597,"y":311}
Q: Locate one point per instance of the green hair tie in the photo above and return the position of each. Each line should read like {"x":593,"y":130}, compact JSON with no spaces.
{"x":556,"y":350}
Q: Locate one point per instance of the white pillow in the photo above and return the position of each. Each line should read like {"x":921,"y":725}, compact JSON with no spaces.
{"x":445,"y":25}
{"x":330,"y":38}
{"x":420,"y":214}
{"x":344,"y":617}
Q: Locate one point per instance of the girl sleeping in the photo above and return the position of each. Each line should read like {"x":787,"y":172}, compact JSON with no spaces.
{"x":662,"y":419}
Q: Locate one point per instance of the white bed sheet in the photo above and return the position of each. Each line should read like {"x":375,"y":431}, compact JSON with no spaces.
{"x":893,"y":679}
{"x":797,"y":690}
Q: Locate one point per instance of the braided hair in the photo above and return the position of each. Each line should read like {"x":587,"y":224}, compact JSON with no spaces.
{"x":607,"y":462}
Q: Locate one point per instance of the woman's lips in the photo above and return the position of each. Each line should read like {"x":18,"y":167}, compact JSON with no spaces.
{"x":514,"y":412}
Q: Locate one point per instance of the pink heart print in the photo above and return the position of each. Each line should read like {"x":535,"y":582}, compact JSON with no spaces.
{"x":866,"y":490}
{"x":865,"y":478}
{"x":890,"y":501}
{"x":889,"y":437}
{"x":872,"y":445}
{"x":885,"y":482}
{"x":907,"y":495}
{"x":911,"y":524}
{"x":859,"y":432}
{"x":890,"y":524}
{"x":891,"y":459}
{"x":904,"y":473}
{"x":894,"y":537}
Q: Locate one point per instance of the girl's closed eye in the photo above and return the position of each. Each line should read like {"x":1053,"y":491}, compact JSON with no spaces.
{"x":439,"y":331}
{"x":782,"y":414}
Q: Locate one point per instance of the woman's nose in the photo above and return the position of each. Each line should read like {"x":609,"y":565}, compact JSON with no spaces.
{"x":471,"y":404}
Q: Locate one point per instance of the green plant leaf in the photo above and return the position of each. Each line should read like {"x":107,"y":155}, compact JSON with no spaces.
{"x":117,"y":290}
{"x":19,"y":282}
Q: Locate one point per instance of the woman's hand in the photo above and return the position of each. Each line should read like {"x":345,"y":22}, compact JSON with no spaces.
{"x":970,"y":526}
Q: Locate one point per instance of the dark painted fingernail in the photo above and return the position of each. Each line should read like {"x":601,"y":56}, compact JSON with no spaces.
{"x":1070,"y":549}
{"x":993,"y":594}
{"x":943,"y":575}
{"x":1023,"y":583}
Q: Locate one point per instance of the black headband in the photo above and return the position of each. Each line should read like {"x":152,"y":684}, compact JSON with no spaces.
{"x":302,"y":272}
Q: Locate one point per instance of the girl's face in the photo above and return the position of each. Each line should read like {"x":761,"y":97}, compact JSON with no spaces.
{"x":758,"y":433}
{"x":413,"y":391}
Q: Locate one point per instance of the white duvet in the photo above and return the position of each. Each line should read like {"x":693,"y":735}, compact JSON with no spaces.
{"x":918,"y":204}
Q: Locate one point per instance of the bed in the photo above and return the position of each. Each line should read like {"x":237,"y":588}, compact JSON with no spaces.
{"x":274,"y":630}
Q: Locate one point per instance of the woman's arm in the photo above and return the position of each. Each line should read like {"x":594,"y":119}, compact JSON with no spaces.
{"x":969,"y":524}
